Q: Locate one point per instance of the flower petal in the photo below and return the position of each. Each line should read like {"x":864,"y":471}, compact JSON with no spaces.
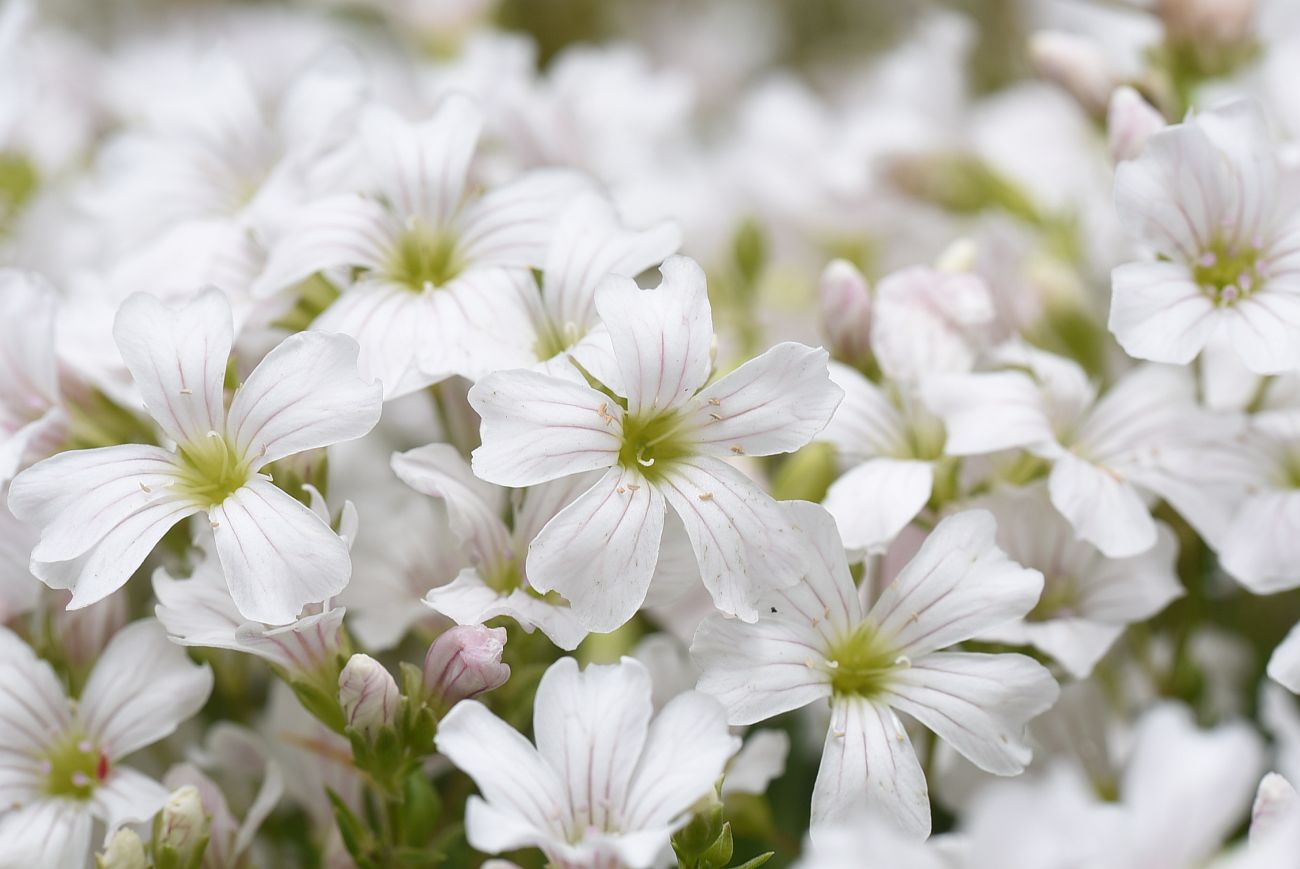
{"x":1284,"y":663}
{"x":984,"y":413}
{"x":744,"y":543}
{"x":537,"y":428}
{"x":389,"y":323}
{"x":278,"y":556}
{"x":773,"y":404}
{"x":865,"y":424}
{"x":590,"y":727}
{"x":177,"y":356}
{"x":685,"y":752}
{"x":1104,"y":509}
{"x":869,"y":766}
{"x":600,"y":551}
{"x":142,"y":688}
{"x":513,"y":224}
{"x":343,"y":230}
{"x":47,"y":833}
{"x":468,"y":600}
{"x":876,"y":500}
{"x":305,"y":394}
{"x":979,"y":704}
{"x":127,"y":797}
{"x":958,"y":585}
{"x":421,"y":169}
{"x":662,"y":337}
{"x":1158,"y":312}
{"x":590,"y":244}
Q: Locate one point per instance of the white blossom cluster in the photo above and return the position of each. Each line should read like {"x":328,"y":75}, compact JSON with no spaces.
{"x":710,"y":433}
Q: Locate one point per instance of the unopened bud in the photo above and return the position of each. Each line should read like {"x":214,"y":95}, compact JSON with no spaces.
{"x":124,"y":851}
{"x":183,"y":829}
{"x":368,"y":695}
{"x":845,"y":300}
{"x":1130,"y":121}
{"x":1207,"y":23}
{"x":1276,"y":801}
{"x":1077,"y":64}
{"x":465,"y":662}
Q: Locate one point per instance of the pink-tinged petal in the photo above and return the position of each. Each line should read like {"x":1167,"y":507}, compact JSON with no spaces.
{"x":926,"y":321}
{"x":34,"y":712}
{"x":1284,"y":663}
{"x":421,"y":169}
{"x":47,"y":833}
{"x":685,"y":753}
{"x":473,"y":507}
{"x":875,"y":501}
{"x":41,"y":435}
{"x":758,"y":671}
{"x":103,"y":569}
{"x":513,"y":225}
{"x":468,"y":600}
{"x":979,"y":704}
{"x":1150,"y":407}
{"x":984,"y":413}
{"x":521,"y":793}
{"x":1178,"y":194}
{"x":143,"y":686}
{"x":1264,"y":329}
{"x":305,"y":394}
{"x":1158,"y":312}
{"x":127,"y":797}
{"x":773,"y":404}
{"x":590,"y":244}
{"x":344,"y":230}
{"x":746,"y":545}
{"x":599,"y":552}
{"x":537,"y":428}
{"x":827,"y":597}
{"x":958,"y":585}
{"x":662,"y":337}
{"x":1104,"y":508}
{"x":277,"y":555}
{"x":869,"y":766}
{"x":866,"y":424}
{"x":389,"y":323}
{"x":590,"y":726}
{"x":76,"y":497}
{"x":177,"y":356}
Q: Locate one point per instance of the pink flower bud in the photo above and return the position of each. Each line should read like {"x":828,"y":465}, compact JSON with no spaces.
{"x":1077,"y":64}
{"x":1207,"y":23}
{"x":1130,"y":121}
{"x":845,"y":302}
{"x":464,"y":662}
{"x":368,"y":694}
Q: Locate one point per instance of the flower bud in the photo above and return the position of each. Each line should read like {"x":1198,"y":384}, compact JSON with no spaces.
{"x":368,"y":695}
{"x":845,"y":301}
{"x":464,"y":662}
{"x":1077,"y":64}
{"x":124,"y":851}
{"x":1130,"y":121}
{"x":183,"y":829}
{"x":1207,"y":23}
{"x":1276,"y":803}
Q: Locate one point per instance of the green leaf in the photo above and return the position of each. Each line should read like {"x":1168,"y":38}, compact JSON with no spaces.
{"x":756,"y":862}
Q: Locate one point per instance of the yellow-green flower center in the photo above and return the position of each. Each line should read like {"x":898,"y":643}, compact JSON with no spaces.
{"x":425,"y":259}
{"x":652,"y":442}
{"x":210,"y":470}
{"x":18,"y":181}
{"x":1059,"y":599}
{"x":861,"y":664}
{"x":1228,"y":271}
{"x":74,"y":767}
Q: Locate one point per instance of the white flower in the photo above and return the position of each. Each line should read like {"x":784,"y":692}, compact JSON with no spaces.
{"x":1210,"y":199}
{"x":101,"y":511}
{"x":1104,"y":452}
{"x":605,"y":785}
{"x":61,"y":758}
{"x":929,"y":321}
{"x":1088,"y":599}
{"x":435,"y":262}
{"x":31,"y":415}
{"x":497,"y":584}
{"x":662,"y":437}
{"x":891,"y":446}
{"x":815,"y":642}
